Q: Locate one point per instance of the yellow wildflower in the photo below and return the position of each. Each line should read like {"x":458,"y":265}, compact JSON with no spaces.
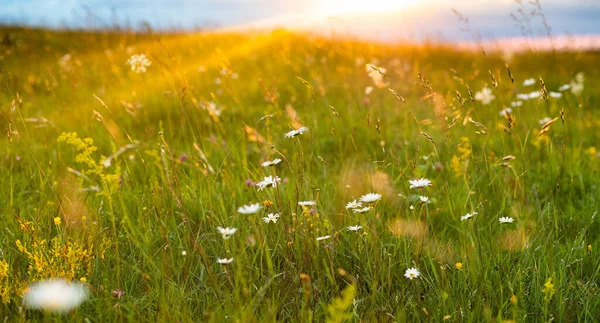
{"x":548,"y":290}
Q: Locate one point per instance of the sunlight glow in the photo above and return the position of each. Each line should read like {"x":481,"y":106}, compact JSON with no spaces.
{"x":335,"y":7}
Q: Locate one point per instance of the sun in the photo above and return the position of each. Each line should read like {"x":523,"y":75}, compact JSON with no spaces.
{"x":335,"y":7}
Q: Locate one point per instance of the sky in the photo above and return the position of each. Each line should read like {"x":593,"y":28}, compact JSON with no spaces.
{"x":379,"y":19}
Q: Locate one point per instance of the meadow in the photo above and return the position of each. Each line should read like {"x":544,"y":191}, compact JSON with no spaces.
{"x":218,"y":178}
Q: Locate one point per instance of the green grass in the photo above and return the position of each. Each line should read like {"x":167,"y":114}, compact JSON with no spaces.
{"x":132,"y":220}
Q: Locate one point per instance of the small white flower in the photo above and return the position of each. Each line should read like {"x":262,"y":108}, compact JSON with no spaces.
{"x":226,"y":232}
{"x":419,"y":183}
{"x":269,"y":181}
{"x":295,"y":133}
{"x":271,"y":163}
{"x":515,"y":104}
{"x":377,"y":75}
{"x":576,"y":88}
{"x":529,"y":82}
{"x":505,"y":112}
{"x":565,"y":87}
{"x":577,"y":84}
{"x":368,"y":90}
{"x":363,"y":210}
{"x":139,"y":63}
{"x":412,"y":208}
{"x":323,"y":238}
{"x":353,"y":205}
{"x":55,"y":295}
{"x":424,"y":199}
{"x":467,"y":216}
{"x":412,"y":273}
{"x":355,"y":227}
{"x":224,"y":261}
{"x":307,"y":203}
{"x":65,"y":62}
{"x":271,"y":218}
{"x":249,"y":209}
{"x":529,"y":96}
{"x":506,"y":220}
{"x":370,"y":198}
{"x":555,"y":95}
{"x":183,"y":253}
{"x":485,"y":96}
{"x":212,"y":109}
{"x":543,"y":121}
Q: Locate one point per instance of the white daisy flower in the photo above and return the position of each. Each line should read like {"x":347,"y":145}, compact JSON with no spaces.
{"x":370,"y":198}
{"x":212,"y":109}
{"x":467,"y":216}
{"x":506,"y":219}
{"x":515,"y":104}
{"x":307,"y":203}
{"x":355,"y":227}
{"x":564,"y":87}
{"x":522,"y":96}
{"x":576,"y":88}
{"x":65,"y":62}
{"x":269,"y":181}
{"x":424,"y":199}
{"x":419,"y":183}
{"x":543,"y":121}
{"x":323,"y":238}
{"x":224,"y":261}
{"x":368,"y":90}
{"x":412,"y":273}
{"x":249,"y":209}
{"x":577,"y":84}
{"x":363,"y":210}
{"x":412,"y":208}
{"x":505,"y":112}
{"x":485,"y":96}
{"x":555,"y":95}
{"x":534,"y":95}
{"x":271,"y":163}
{"x":295,"y":133}
{"x":529,"y":82}
{"x":139,"y":63}
{"x":271,"y":218}
{"x":353,"y":205}
{"x":226,"y":232}
{"x":183,"y":253}
{"x":377,"y":75}
{"x":55,"y":295}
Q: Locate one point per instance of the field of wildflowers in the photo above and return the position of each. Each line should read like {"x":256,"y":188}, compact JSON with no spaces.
{"x":282,"y":177}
